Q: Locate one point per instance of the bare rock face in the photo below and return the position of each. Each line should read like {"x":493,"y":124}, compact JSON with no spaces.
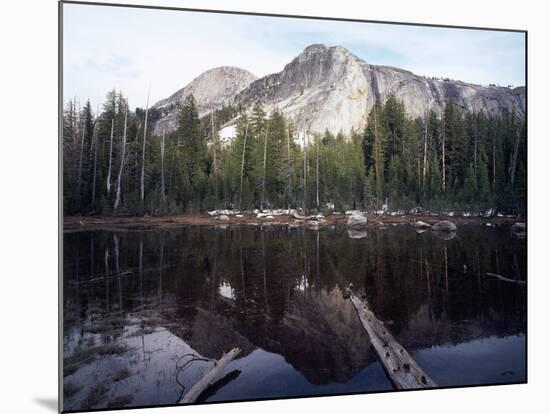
{"x":212,"y":90}
{"x":322,"y":88}
{"x":331,"y":88}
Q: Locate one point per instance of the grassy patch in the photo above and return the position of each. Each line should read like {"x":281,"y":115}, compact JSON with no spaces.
{"x":106,"y":326}
{"x":110,"y":349}
{"x":85,"y":356}
{"x":151,"y":322}
{"x":142,"y":331}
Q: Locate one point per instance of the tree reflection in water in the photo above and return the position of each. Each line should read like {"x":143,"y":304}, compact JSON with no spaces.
{"x":276,"y":293}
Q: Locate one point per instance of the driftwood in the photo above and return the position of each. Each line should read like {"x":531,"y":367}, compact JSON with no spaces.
{"x":208,"y":379}
{"x":505,"y":279}
{"x":99,"y":278}
{"x":402,"y":370}
{"x":219,"y":384}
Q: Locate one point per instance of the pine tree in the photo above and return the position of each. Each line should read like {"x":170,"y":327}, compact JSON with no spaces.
{"x":470,"y":186}
{"x":483,"y":178}
{"x":192,"y":156}
{"x":373,"y":148}
{"x":396,"y":156}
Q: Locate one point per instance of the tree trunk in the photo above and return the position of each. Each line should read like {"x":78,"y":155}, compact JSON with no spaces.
{"x":443,"y":154}
{"x":215,"y":154}
{"x":289,"y":169}
{"x":110,"y":157}
{"x":80,"y":162}
{"x":515,"y":158}
{"x":475,"y":149}
{"x":401,"y":368}
{"x":142,"y":188}
{"x":377,"y":161}
{"x":305,"y":172}
{"x":425,"y":161}
{"x":242,"y":164}
{"x":94,"y":179}
{"x":494,"y":161}
{"x":122,"y":155}
{"x":140,"y":269}
{"x":209,"y":377}
{"x":317,"y":175}
{"x":74,"y":129}
{"x":161,"y":263}
{"x":172,"y":164}
{"x":265,"y":167}
{"x":107,"y":274}
{"x":162,"y":190}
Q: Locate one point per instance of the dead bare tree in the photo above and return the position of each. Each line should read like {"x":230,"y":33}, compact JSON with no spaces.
{"x":317,"y":173}
{"x":494,"y":161}
{"x":265,"y":166}
{"x":142,"y":188}
{"x":443,"y":153}
{"x":79,"y":192}
{"x":475,"y":147}
{"x":378,"y":167}
{"x":110,"y":157}
{"x":425,"y":160}
{"x":94,"y":147}
{"x":215,"y":149}
{"x":162,"y":191}
{"x":289,"y":168}
{"x":242,"y":164}
{"x":122,"y":155}
{"x":305,"y":172}
{"x":515,"y":157}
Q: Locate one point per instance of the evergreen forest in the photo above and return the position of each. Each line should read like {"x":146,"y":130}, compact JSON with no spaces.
{"x":461,"y":161}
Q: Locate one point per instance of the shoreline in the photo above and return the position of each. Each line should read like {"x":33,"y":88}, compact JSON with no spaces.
{"x":84,"y":223}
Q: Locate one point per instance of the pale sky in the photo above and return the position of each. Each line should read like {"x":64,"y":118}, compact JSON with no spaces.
{"x":130,"y":49}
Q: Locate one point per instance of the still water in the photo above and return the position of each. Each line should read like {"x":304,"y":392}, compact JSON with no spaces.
{"x":138,"y":303}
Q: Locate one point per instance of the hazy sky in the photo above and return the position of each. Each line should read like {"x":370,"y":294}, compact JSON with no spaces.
{"x":130,"y":49}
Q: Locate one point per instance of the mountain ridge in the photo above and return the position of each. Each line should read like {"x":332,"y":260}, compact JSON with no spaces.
{"x":330,"y":88}
{"x":212,"y":89}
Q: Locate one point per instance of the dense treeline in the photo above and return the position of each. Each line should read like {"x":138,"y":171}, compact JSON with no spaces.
{"x":113,"y":164}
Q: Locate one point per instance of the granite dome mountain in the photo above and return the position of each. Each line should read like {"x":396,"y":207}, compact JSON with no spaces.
{"x":331,"y":88}
{"x":212,"y":89}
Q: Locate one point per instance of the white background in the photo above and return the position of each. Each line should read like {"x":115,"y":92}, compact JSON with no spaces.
{"x":28,"y":204}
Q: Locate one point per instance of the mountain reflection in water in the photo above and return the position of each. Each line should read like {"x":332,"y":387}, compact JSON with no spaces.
{"x":135,"y":302}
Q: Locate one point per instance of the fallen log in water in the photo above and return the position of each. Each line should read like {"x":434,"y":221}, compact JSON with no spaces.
{"x":219,"y":384}
{"x":208,"y":379}
{"x":402,"y":370}
{"x":505,"y":279}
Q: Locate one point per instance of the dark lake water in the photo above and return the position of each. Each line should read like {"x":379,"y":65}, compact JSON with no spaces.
{"x":137,"y":302}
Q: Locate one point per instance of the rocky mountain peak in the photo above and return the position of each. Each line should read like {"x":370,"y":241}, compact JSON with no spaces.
{"x":312,"y":50}
{"x":212,"y":86}
{"x":328,"y":87}
{"x":322,"y":50}
{"x":212,"y":89}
